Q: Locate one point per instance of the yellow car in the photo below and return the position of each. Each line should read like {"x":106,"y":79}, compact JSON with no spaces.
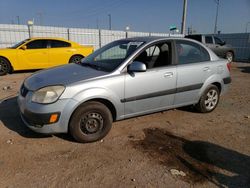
{"x":40,"y":53}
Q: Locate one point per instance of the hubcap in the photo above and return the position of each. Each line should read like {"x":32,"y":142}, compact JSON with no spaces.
{"x":91,"y":123}
{"x":3,"y":66}
{"x":211,"y":99}
{"x":77,"y":59}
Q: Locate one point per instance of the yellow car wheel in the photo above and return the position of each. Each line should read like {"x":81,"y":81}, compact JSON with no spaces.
{"x":5,"y":66}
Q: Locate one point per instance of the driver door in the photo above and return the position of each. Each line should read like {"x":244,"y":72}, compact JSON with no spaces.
{"x":35,"y":56}
{"x":153,"y":90}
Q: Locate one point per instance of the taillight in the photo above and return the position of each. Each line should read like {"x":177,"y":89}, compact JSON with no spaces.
{"x":229,"y":66}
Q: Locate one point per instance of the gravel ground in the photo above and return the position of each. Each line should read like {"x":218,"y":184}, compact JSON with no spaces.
{"x":174,"y":148}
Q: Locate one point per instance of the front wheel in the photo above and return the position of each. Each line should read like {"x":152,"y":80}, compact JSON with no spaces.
{"x":90,"y":122}
{"x":209,"y":100}
{"x":4,"y":66}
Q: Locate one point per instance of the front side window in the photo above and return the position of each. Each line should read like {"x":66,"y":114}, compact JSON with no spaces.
{"x":109,"y":57}
{"x":58,"y":44}
{"x":189,"y":52}
{"x":209,"y":40}
{"x":37,"y":44}
{"x":157,"y":55}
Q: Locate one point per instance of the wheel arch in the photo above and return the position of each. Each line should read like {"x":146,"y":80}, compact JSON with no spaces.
{"x":218,"y":85}
{"x":103,"y":101}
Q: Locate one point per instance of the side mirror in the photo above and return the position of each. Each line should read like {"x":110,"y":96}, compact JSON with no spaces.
{"x":24,"y":47}
{"x":137,"y":66}
{"x":223,"y":43}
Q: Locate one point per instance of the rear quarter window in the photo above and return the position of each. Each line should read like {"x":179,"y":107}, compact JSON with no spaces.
{"x":59,"y":44}
{"x":189,"y":52}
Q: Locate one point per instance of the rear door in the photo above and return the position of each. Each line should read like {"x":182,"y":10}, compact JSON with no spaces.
{"x":193,"y":68}
{"x":59,"y":52}
{"x":154,"y":89}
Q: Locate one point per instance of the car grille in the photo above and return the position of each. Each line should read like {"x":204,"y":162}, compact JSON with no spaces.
{"x":24,"y":91}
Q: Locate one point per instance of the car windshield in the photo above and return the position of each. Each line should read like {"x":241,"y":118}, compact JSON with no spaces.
{"x":19,"y":44}
{"x":109,"y":57}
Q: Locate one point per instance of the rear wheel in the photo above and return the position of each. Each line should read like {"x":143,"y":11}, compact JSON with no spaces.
{"x":76,"y":59}
{"x":230,"y":57}
{"x":209,"y":100}
{"x":4,"y":66}
{"x":90,"y":122}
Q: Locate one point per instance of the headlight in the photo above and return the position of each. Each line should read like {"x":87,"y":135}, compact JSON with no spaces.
{"x":47,"y":94}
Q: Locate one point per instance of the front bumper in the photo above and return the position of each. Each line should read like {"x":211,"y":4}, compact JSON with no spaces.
{"x":37,"y":116}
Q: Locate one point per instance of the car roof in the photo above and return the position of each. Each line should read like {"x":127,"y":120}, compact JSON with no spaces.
{"x":52,"y":38}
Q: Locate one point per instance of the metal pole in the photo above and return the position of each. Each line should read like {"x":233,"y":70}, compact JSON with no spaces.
{"x":216,"y":17}
{"x":68,"y":34}
{"x":184,"y":16}
{"x":97,"y":23}
{"x":40,"y":15}
{"x":109,"y":15}
{"x":29,"y":31}
{"x":247,"y":26}
{"x":18,"y":20}
{"x":100,"y":38}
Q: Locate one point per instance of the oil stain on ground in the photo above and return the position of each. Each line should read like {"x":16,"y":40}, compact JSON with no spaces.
{"x":200,"y":161}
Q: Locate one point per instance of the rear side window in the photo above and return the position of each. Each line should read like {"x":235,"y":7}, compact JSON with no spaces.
{"x":189,"y":52}
{"x":37,"y":44}
{"x":59,"y":44}
{"x":209,"y":40}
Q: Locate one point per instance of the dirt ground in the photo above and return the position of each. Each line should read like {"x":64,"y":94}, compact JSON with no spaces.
{"x":175,"y":148}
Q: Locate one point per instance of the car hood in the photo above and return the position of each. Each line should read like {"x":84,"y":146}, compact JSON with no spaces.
{"x":62,"y":75}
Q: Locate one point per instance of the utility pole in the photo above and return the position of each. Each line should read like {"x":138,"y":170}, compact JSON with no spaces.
{"x":184,"y":16}
{"x":18,"y":20}
{"x":40,"y":16}
{"x":97,"y":23}
{"x":216,"y":17}
{"x":247,"y":26}
{"x":109,"y":15}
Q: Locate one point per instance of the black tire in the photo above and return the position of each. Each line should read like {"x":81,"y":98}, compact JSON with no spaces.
{"x":76,"y":59}
{"x":209,"y":100}
{"x":4,"y":66}
{"x":90,"y":122}
{"x":230,"y":56}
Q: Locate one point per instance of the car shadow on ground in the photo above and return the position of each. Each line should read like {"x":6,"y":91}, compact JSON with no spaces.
{"x":10,"y":117}
{"x":200,"y":161}
{"x":245,"y":69}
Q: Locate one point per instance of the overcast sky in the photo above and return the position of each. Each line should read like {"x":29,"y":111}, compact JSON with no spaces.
{"x":139,"y":15}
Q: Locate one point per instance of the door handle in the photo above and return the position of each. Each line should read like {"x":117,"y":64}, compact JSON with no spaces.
{"x":168,"y":74}
{"x":206,"y":69}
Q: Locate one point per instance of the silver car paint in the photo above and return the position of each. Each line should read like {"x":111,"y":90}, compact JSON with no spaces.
{"x":84,"y":84}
